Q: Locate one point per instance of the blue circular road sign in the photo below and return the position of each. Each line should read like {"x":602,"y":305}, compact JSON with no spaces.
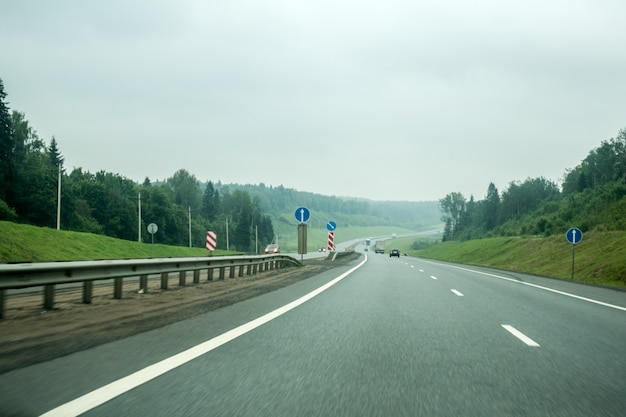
{"x":331,"y":226}
{"x":574,"y":235}
{"x":302,"y":214}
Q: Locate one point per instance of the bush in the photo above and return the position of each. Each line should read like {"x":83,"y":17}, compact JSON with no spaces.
{"x":6,"y":212}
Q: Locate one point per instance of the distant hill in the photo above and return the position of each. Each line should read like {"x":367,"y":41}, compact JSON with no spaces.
{"x":280,"y":204}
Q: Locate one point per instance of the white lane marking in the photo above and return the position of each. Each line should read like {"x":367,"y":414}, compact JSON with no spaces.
{"x":412,"y":266}
{"x":578,"y":297}
{"x":457,"y":293}
{"x":521,"y":336}
{"x":433,"y":277}
{"x":421,"y":270}
{"x":116,"y":388}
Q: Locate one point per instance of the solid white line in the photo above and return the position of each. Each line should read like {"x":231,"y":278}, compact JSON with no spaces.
{"x":457,"y":293}
{"x":578,"y":297}
{"x":106,"y":393}
{"x":433,"y":277}
{"x":521,"y":336}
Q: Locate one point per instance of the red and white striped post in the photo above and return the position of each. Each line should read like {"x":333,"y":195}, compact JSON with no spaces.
{"x":331,"y":241}
{"x":211,"y":241}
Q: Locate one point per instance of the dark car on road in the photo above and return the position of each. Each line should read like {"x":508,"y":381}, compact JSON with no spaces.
{"x":394,"y":252}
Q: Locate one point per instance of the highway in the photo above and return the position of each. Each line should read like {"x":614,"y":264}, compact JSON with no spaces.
{"x":381,"y":337}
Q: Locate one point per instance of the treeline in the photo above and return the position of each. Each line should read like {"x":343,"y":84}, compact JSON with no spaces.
{"x":105,"y":203}
{"x":593,"y":196}
{"x":347,"y":211}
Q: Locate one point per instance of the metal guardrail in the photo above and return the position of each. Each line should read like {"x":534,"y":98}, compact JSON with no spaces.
{"x":49,"y":274}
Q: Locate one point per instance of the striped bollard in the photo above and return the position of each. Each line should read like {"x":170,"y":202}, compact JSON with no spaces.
{"x":211,"y":241}
{"x":331,"y":241}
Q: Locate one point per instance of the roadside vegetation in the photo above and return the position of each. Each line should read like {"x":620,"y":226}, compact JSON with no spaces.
{"x":523,"y":228}
{"x":600,"y":258}
{"x":32,"y":173}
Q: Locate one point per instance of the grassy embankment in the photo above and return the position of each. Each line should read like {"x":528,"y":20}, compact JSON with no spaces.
{"x":23,"y":243}
{"x":599,"y":259}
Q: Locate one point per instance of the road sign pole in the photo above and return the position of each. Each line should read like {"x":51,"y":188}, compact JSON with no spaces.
{"x":573,"y":249}
{"x":573,"y":236}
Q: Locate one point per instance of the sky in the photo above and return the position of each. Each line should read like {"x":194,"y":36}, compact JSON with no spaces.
{"x":385,"y":100}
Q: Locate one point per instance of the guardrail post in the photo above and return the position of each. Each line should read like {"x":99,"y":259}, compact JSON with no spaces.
{"x":87,"y":291}
{"x":48,"y":296}
{"x":1,"y":304}
{"x":255,"y":268}
{"x":181,"y":278}
{"x":222,"y":272}
{"x":164,"y":277}
{"x":143,"y":283}
{"x":249,"y":269}
{"x":231,"y":274}
{"x":196,"y":276}
{"x":209,"y":274}
{"x":241,"y":271}
{"x":272,"y":265}
{"x":117,"y":288}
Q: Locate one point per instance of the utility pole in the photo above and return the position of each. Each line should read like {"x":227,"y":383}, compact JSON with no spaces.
{"x":227,"y":247}
{"x":59,"y":199}
{"x":139,"y":225}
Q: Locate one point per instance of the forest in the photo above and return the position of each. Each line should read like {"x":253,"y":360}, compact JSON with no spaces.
{"x":592,"y":196}
{"x":182,"y":207}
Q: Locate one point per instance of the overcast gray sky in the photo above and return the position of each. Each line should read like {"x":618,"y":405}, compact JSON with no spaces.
{"x":387,"y":100}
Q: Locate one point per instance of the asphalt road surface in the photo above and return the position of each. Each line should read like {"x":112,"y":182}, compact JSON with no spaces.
{"x":380,"y":337}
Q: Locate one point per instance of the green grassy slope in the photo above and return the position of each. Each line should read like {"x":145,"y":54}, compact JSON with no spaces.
{"x":23,"y":243}
{"x":599,"y":259}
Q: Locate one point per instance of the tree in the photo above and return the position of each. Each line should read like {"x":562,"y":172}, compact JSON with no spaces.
{"x":453,"y":207}
{"x":55,"y":155}
{"x":491,"y":206}
{"x":7,"y":167}
{"x":210,"y":202}
{"x":185,"y":190}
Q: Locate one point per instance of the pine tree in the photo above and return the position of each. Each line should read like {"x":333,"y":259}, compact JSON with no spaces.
{"x":7,"y":167}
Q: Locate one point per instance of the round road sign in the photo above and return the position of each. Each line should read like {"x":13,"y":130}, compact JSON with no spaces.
{"x":302,"y":214}
{"x":574,"y":235}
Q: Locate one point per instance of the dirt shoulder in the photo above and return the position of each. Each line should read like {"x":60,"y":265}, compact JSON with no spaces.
{"x":30,"y":335}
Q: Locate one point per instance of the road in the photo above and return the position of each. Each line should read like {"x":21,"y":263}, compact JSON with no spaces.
{"x":387,"y":337}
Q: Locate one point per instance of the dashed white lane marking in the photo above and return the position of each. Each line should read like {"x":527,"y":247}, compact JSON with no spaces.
{"x":457,"y":293}
{"x":521,"y":336}
{"x":578,"y":297}
{"x":433,"y":277}
{"x":116,"y":388}
{"x":421,"y":270}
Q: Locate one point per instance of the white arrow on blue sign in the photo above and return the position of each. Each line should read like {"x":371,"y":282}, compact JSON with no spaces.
{"x":574,"y":235}
{"x":331,"y":226}
{"x":302,"y":214}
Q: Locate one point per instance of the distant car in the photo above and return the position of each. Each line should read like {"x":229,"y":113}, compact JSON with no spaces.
{"x":322,"y":249}
{"x":394,"y":252}
{"x":272,"y":248}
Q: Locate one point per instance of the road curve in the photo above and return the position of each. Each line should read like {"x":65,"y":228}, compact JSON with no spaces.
{"x":401,"y":337}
